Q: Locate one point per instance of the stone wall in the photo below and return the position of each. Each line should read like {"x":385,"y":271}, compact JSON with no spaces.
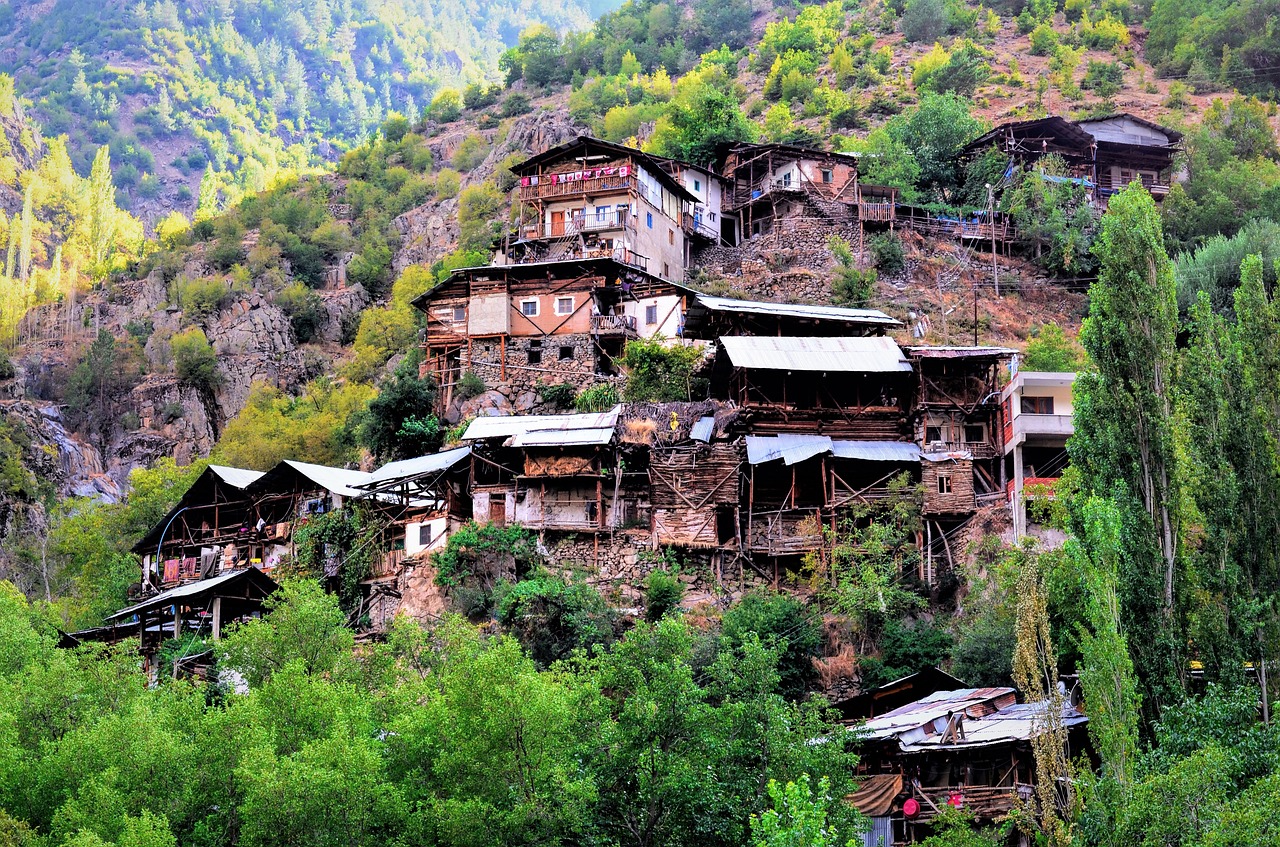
{"x":788,"y":262}
{"x":561,"y":358}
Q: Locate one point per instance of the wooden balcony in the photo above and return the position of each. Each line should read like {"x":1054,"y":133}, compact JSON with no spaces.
{"x":619,"y":325}
{"x":579,"y":224}
{"x":546,"y":189}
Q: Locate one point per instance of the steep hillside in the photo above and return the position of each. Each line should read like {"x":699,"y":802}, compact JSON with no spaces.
{"x":245,"y":90}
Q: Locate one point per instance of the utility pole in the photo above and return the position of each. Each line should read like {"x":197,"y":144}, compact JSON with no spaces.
{"x":975,"y":313}
{"x":991,"y":216}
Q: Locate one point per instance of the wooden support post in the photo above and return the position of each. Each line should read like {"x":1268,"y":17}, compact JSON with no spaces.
{"x":217,"y":618}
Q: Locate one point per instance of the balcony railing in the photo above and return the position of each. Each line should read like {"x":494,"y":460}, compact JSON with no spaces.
{"x":576,"y":188}
{"x":613,"y":324}
{"x":577,"y":224}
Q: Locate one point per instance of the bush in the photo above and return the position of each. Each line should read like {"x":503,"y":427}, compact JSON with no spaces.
{"x":399,"y":423}
{"x":194,"y":359}
{"x":905,"y":650}
{"x":660,"y":373}
{"x":1051,"y":350}
{"x":552,"y":617}
{"x":445,"y":107}
{"x":7,"y":369}
{"x":1044,"y":41}
{"x":468,"y":385}
{"x":924,"y":20}
{"x":886,"y":248}
{"x":850,"y":285}
{"x":304,"y":308}
{"x":562,"y":395}
{"x":663,"y":592}
{"x":471,"y":151}
{"x":199,"y":298}
{"x":515,"y":105}
{"x":1106,"y":78}
{"x":600,"y":397}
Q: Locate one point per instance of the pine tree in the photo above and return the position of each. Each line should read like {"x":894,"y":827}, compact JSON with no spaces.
{"x":164,"y":112}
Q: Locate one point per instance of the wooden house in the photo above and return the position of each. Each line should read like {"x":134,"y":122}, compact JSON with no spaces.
{"x":552,"y":472}
{"x":1104,"y":154}
{"x":525,"y":324}
{"x":769,"y":184}
{"x":970,"y":748}
{"x":593,"y":198}
{"x":856,"y":388}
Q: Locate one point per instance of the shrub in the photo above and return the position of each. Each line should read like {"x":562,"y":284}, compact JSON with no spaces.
{"x":660,"y":373}
{"x":515,"y":105}
{"x":1044,"y":41}
{"x":781,"y":621}
{"x":1051,"y":350}
{"x":304,"y":308}
{"x":850,"y":285}
{"x":468,"y":385}
{"x":445,"y":107}
{"x":600,"y":397}
{"x":199,"y":298}
{"x":194,"y":359}
{"x":399,"y":423}
{"x":663,"y":592}
{"x":7,"y":370}
{"x":924,"y":20}
{"x":469,"y":153}
{"x":552,"y":617}
{"x":561,"y":395}
{"x":886,"y":248}
{"x":448,"y":182}
{"x":1106,"y":78}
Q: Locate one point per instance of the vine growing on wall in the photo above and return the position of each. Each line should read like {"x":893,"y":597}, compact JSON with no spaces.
{"x":339,"y":545}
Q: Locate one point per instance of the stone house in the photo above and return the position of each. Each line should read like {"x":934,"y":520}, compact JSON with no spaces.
{"x":543,"y":323}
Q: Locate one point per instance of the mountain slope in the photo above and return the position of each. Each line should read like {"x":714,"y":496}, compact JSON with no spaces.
{"x":245,"y":88}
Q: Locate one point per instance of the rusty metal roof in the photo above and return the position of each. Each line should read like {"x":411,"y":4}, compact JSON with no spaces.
{"x":819,"y":355}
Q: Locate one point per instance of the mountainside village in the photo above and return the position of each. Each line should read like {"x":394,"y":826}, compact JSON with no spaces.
{"x":813,"y":414}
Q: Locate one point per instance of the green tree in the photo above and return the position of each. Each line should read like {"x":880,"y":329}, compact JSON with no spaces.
{"x":1124,"y":442}
{"x":661,"y":372}
{"x":194,"y":360}
{"x":1050,"y":349}
{"x":303,"y":624}
{"x":798,"y":817}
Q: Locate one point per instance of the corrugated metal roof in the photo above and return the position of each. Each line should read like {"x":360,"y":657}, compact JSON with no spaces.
{"x":790,"y":448}
{"x":505,"y":426}
{"x":238,"y":477}
{"x":1019,"y":722}
{"x":406,"y":468}
{"x":928,"y":709}
{"x":703,"y":428}
{"x":876,"y":451}
{"x":960,"y":352}
{"x":797,"y":310}
{"x":836,"y":355}
{"x":562,"y":437}
{"x":191,"y":589}
{"x":335,"y":480}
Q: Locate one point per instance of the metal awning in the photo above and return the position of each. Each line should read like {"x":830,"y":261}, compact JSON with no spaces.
{"x":253,"y":585}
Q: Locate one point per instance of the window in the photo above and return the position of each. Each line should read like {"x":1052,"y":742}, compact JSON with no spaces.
{"x":697,"y":185}
{"x":671,"y":236}
{"x":827,"y":176}
{"x":566,"y":353}
{"x":564,"y":305}
{"x":602,"y":214}
{"x":786,"y":178}
{"x":651,"y":315}
{"x":459,"y":314}
{"x":535,"y":352}
{"x":944,"y":483}
{"x":932,"y":434}
{"x":529,"y":308}
{"x":424,"y":535}
{"x":666,"y":271}
{"x":975,"y":434}
{"x":1037,"y":405}
{"x":711,"y":215}
{"x":648,"y":219}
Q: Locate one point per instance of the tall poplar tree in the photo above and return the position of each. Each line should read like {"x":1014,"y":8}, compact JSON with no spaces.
{"x":1124,"y":436}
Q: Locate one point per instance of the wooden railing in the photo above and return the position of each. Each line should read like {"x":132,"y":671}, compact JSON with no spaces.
{"x":579,"y":224}
{"x":587,"y":187}
{"x":882,"y":212}
{"x":613,"y":324}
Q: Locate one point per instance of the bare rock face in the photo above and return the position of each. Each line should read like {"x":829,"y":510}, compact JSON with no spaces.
{"x":254,"y":343}
{"x":173,"y":421}
{"x":343,"y":307}
{"x":430,"y":231}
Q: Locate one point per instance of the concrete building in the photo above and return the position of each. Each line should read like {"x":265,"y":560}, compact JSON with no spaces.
{"x":1036,"y":416}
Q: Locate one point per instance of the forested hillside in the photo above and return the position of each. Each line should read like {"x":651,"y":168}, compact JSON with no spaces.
{"x":311,"y":168}
{"x":245,"y":91}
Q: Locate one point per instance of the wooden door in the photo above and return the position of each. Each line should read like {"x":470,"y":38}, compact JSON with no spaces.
{"x":557,"y":223}
{"x":498,"y":511}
